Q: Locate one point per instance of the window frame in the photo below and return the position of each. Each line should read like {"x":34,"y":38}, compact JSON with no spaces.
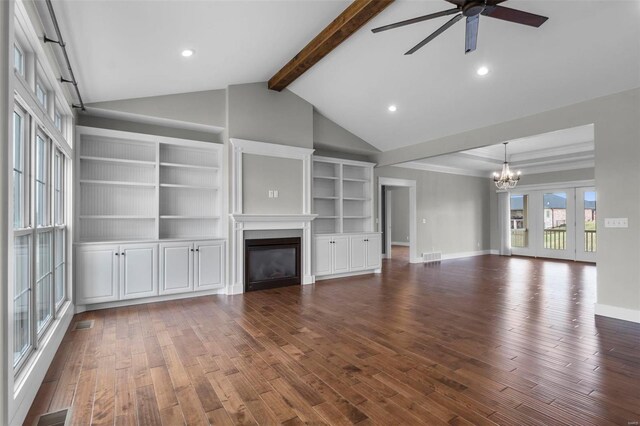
{"x":21,"y":70}
{"x":40,"y":86}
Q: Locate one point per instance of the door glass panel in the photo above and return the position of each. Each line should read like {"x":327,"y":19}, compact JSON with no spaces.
{"x":555,"y":220}
{"x":590,"y":221}
{"x":519,"y":221}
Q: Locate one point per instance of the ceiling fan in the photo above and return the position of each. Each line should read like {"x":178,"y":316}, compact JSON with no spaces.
{"x":471,"y":9}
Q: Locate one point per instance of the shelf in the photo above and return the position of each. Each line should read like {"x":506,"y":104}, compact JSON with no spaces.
{"x":326,"y":198}
{"x":111,"y":217}
{"x":356,"y":199}
{"x":355,"y":180}
{"x":174,"y":185}
{"x":118,"y":160}
{"x":117,"y":183}
{"x":188,"y":166}
{"x":189,"y":217}
{"x":327,"y":217}
{"x":326,"y":177}
{"x":356,"y":217}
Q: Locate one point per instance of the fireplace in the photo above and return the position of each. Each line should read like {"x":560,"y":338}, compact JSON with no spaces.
{"x":271,"y":263}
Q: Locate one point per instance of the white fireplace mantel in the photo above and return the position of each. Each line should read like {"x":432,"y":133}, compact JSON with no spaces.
{"x":241,"y":222}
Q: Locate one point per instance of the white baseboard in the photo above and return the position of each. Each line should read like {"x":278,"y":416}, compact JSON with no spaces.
{"x":494,"y":252}
{"x":348,"y":274}
{"x":416,"y":260}
{"x":464,"y":254}
{"x":400,"y":243}
{"x":616,"y":312}
{"x":144,"y":300}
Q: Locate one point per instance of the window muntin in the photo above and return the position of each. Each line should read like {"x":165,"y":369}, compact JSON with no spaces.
{"x":18,"y":60}
{"x":19,"y":170}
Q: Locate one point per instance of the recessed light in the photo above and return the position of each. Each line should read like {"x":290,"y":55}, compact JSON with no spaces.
{"x":482,"y":71}
{"x":392,"y":108}
{"x":187,"y":52}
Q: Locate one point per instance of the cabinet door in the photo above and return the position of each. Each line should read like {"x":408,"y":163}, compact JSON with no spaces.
{"x":358,"y":255}
{"x":374,"y":249}
{"x":340,"y":255}
{"x":176,"y":272}
{"x":97,"y":274}
{"x":209,"y":265}
{"x":322,"y":256}
{"x":138,"y":270}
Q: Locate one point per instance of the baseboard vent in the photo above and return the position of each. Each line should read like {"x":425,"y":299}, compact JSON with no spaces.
{"x":434,"y":256}
{"x":83,"y":325}
{"x":57,"y":418}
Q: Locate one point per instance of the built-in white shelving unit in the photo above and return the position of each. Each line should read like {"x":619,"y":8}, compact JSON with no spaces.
{"x":136,"y":187}
{"x":344,"y":242}
{"x":342,"y":196}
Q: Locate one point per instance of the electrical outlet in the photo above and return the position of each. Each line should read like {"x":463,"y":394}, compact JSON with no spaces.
{"x":275,"y":193}
{"x":424,"y":220}
{"x":271,"y":193}
{"x":616,"y":222}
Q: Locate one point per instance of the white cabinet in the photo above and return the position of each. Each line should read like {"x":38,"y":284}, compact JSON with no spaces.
{"x":191,"y":266}
{"x":342,"y":254}
{"x":330,"y":255}
{"x":209,"y":265}
{"x":176,"y":272}
{"x":106,"y":273}
{"x":374,"y":251}
{"x":97,"y":273}
{"x":138,"y":271}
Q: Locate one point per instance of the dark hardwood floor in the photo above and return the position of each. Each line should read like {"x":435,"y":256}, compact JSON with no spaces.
{"x":473,"y":341}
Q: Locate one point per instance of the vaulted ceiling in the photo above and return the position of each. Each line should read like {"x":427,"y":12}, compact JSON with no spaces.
{"x":585,"y":50}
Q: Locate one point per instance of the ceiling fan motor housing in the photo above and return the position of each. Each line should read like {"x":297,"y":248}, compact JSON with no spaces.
{"x":473,"y":8}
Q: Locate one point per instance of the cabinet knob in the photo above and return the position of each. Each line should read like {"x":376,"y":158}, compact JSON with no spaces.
{"x":191,"y":249}
{"x":122,"y":253}
{"x":117,"y":254}
{"x":197,"y":249}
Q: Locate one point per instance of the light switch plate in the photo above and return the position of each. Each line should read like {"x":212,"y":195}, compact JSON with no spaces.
{"x":616,"y":222}
{"x":275,"y":193}
{"x":270,"y":193}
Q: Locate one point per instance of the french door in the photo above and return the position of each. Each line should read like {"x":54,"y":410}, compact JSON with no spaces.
{"x":555,"y":223}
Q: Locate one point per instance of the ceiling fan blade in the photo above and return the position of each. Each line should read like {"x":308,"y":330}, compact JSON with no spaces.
{"x":514,"y":15}
{"x":415,"y":20}
{"x":471,"y":35}
{"x":458,"y":2}
{"x":435,"y":34}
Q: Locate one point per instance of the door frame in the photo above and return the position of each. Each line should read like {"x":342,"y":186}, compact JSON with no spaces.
{"x":411,"y":184}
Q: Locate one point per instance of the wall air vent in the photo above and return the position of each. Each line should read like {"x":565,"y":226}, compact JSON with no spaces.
{"x":435,"y":256}
{"x":83,"y":325}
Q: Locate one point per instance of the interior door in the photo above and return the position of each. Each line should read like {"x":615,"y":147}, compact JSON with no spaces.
{"x":176,"y":273}
{"x":557,"y":237}
{"x":586,"y":237}
{"x":138,"y":270}
{"x":209,"y":265}
{"x":340,"y":255}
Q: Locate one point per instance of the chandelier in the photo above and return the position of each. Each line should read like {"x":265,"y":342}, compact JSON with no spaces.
{"x":506,"y":179}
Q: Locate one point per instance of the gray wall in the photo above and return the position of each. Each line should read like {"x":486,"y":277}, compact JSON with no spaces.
{"x":257,"y":113}
{"x":148,"y":129}
{"x":261,"y":174}
{"x":456,"y":209}
{"x":398,"y":199}
{"x":555,"y":177}
{"x":207,"y":108}
{"x":617,"y":146}
{"x":328,"y":136}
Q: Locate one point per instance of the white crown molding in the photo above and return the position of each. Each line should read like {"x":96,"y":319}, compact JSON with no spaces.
{"x":443,"y":169}
{"x":574,"y":165}
{"x":331,"y":160}
{"x":270,"y":149}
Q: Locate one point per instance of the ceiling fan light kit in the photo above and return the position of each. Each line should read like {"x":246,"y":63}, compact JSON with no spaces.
{"x":471,"y":10}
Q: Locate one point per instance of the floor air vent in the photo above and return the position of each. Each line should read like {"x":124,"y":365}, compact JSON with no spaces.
{"x":57,"y":418}
{"x":83,"y":325}
{"x":435,"y":256}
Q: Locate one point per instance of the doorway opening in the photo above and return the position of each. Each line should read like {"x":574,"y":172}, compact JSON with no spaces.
{"x":397,"y":214}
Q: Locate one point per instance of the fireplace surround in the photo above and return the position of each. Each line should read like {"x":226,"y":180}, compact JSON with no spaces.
{"x":271,"y":263}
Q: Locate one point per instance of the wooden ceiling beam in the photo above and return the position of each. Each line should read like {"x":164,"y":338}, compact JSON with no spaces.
{"x":348,"y":22}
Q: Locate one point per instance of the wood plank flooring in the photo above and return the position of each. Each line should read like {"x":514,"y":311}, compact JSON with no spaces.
{"x":485,"y":340}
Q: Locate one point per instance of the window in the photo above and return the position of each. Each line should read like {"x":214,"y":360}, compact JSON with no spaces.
{"x":58,"y":188}
{"x":57,"y":119}
{"x":41,"y":94}
{"x":21,"y":298}
{"x":18,"y":60}
{"x":59,"y":262}
{"x":19,"y":170}
{"x":42,"y":189}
